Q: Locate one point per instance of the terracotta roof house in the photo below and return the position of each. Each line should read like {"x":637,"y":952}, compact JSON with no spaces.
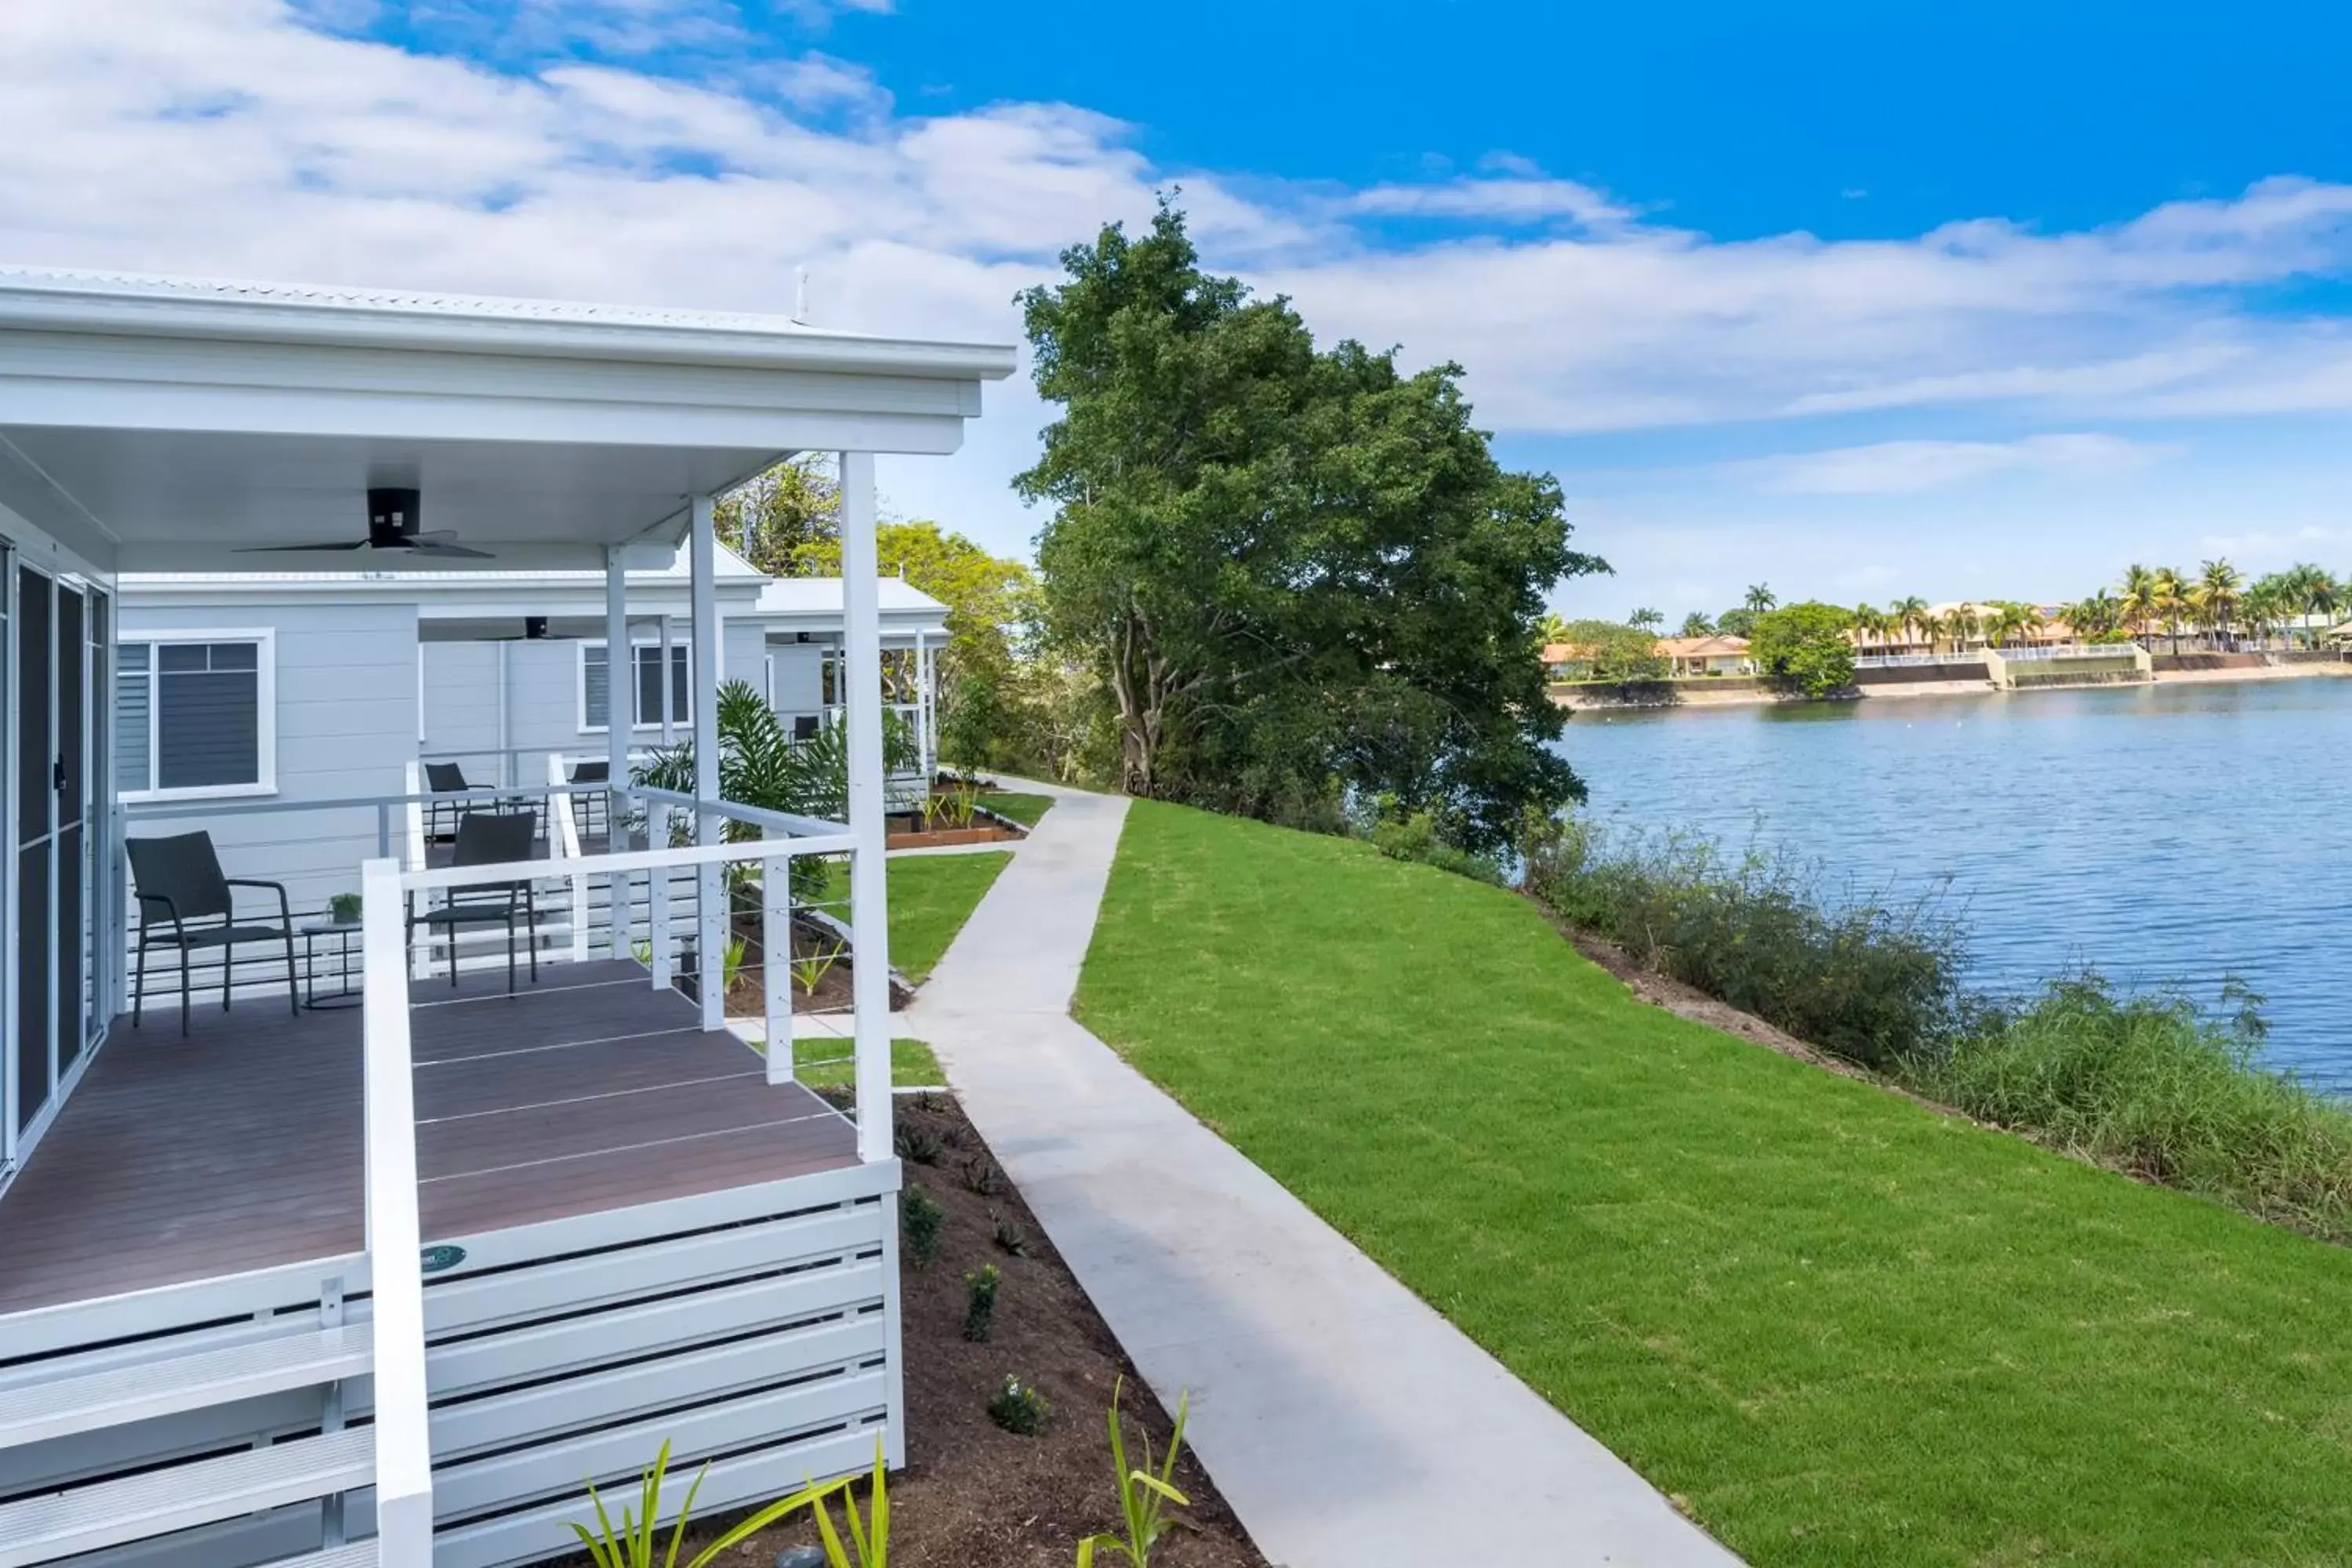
{"x":1712,"y":655}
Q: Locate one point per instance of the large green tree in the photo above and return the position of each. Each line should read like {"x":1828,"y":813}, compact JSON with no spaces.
{"x":1804,"y":647}
{"x":1298,"y":573}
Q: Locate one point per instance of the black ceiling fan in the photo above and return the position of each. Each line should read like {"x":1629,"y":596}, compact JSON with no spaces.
{"x":395,"y":522}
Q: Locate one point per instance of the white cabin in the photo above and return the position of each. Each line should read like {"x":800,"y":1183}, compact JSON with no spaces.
{"x":384,"y":1284}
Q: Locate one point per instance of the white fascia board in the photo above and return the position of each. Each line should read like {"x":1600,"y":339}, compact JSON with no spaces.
{"x":151,"y":307}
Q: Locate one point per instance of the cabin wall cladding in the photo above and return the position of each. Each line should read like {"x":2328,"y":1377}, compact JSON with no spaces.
{"x":754,"y":1329}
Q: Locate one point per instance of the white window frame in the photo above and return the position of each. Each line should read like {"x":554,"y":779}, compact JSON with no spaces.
{"x":265,"y":659}
{"x":681,"y":649}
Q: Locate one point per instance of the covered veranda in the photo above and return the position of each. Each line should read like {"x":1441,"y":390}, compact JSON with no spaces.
{"x":445,"y":1174}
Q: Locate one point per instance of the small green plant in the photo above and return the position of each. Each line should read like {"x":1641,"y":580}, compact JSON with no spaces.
{"x":1144,"y":1493}
{"x":918,"y":1145}
{"x":731,"y":956}
{"x":980,"y":1301}
{"x":961,"y":804}
{"x":1008,"y":1235}
{"x":920,"y":1218}
{"x":811,"y":968}
{"x":981,"y":1177}
{"x":643,"y":951}
{"x":634,"y":1544}
{"x":1018,"y":1408}
{"x":344,"y":908}
{"x":935,"y":811}
{"x":869,"y":1538}
{"x":930,"y":1102}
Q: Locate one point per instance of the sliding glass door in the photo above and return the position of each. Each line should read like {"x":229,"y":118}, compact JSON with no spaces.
{"x":56,"y":665}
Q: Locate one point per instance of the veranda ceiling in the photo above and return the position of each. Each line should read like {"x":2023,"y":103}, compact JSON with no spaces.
{"x":161,"y":425}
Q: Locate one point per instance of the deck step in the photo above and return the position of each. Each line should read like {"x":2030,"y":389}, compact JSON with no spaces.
{"x":38,"y":1412}
{"x":181,"y":1496}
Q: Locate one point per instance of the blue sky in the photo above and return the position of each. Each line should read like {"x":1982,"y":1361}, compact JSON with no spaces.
{"x":1860,"y":300}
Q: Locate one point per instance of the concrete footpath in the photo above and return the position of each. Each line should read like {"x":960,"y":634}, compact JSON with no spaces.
{"x":1349,"y":1425}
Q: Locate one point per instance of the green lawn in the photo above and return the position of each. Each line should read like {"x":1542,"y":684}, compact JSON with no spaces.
{"x":1844,"y":1328}
{"x":1025,"y":809}
{"x":930,"y":898}
{"x":825,"y":1063}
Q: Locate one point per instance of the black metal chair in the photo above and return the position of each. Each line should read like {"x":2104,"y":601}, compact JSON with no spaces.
{"x":593,"y":811}
{"x":179,"y":883}
{"x":444,"y":778}
{"x":488,"y":838}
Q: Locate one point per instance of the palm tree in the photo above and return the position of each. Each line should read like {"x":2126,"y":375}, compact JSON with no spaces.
{"x":2263,"y":606}
{"x":2219,"y":588}
{"x":2138,"y":605}
{"x":1906,"y":614}
{"x":1760,"y":598}
{"x":2095,"y":616}
{"x":2003,"y":620}
{"x":1646,"y":619}
{"x":1696,"y":625}
{"x":2317,"y":594}
{"x":1868,"y":624}
{"x":1931,"y":626}
{"x":2169,"y":601}
{"x":1550,"y":628}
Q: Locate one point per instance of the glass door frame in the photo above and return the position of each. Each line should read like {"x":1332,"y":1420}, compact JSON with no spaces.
{"x":99,"y":821}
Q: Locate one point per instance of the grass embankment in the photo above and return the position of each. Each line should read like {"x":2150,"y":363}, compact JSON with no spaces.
{"x":1025,"y":809}
{"x":1845,"y":1326}
{"x":2150,"y":1084}
{"x":930,"y":898}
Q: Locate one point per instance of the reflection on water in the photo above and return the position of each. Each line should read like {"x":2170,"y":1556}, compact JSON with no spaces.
{"x":2176,"y":832}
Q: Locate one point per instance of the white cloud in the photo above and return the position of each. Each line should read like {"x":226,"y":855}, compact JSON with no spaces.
{"x":1907,"y":468}
{"x":248,"y":137}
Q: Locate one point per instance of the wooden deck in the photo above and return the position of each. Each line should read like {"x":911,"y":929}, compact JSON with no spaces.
{"x":239,"y":1147}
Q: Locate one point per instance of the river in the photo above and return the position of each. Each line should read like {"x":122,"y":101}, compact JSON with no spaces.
{"x":2177,"y":832}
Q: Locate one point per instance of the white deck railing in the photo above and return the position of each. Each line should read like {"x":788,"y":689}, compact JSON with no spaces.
{"x":404,"y":1453}
{"x":403,"y":1449}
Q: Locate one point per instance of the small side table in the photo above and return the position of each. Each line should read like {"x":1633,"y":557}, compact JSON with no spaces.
{"x":344,"y":995}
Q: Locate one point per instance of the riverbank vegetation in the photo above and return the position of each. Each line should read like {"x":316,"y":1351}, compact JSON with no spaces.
{"x":1842,"y":1326}
{"x":2149,"y":1084}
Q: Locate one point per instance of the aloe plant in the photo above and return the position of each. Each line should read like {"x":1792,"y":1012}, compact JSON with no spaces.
{"x":635,"y":1545}
{"x":810,"y":969}
{"x":1144,"y":1494}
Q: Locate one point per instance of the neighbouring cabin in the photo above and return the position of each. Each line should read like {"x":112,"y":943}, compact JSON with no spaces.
{"x":383,"y":1270}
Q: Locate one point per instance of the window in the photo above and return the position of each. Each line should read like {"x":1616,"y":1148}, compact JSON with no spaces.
{"x":595,"y":692}
{"x":195,"y":714}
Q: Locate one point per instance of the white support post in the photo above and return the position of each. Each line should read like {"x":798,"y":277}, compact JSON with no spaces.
{"x":776,"y":959}
{"x":923,"y":712}
{"x":564,"y":844}
{"x":620,"y":722}
{"x":861,"y":694}
{"x":657,"y":894}
{"x":711,"y":921}
{"x":403,"y":1456}
{"x":663,"y":685}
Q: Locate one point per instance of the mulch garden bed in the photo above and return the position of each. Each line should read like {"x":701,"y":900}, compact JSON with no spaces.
{"x":973,"y":1495}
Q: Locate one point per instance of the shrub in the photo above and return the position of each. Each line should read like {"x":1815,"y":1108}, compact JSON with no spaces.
{"x":2149,"y":1084}
{"x":1008,"y":1235}
{"x":1415,"y":837}
{"x":980,"y":1301}
{"x":917,"y":1145}
{"x":981,"y":1177}
{"x":1018,"y":1408}
{"x":920,"y":1218}
{"x":1874,"y":981}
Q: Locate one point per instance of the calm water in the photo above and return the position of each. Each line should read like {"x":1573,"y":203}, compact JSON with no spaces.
{"x":2181,"y":833}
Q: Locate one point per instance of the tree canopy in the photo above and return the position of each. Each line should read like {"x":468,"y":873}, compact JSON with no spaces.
{"x":1804,"y":647}
{"x":1298,"y":573}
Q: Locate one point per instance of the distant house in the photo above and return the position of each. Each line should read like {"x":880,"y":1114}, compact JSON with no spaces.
{"x":1569,"y":660}
{"x":1706,"y":655}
